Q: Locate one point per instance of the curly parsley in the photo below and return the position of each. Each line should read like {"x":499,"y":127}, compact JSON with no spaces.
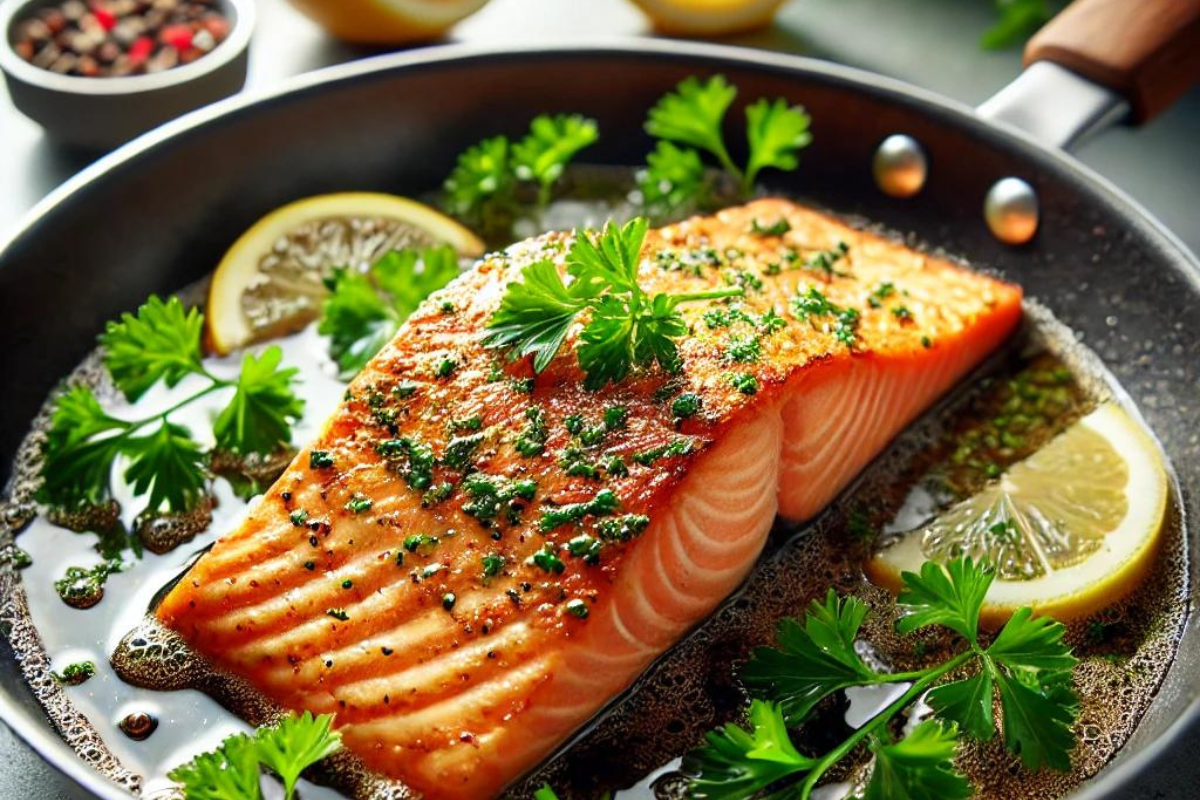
{"x":163,"y":463}
{"x":484,"y":181}
{"x":693,"y":116}
{"x":1027,"y":665}
{"x":628,"y":328}
{"x":233,"y":771}
{"x":364,"y":310}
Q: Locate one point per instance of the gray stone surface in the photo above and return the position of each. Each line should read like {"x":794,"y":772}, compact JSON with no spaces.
{"x":931,"y":43}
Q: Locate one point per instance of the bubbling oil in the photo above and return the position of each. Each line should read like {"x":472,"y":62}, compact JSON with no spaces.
{"x":634,"y":746}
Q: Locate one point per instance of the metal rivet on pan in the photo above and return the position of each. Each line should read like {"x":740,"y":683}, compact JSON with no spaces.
{"x":900,"y":166}
{"x":1011,"y":210}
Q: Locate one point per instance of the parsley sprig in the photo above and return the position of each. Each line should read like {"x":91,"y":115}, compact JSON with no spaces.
{"x":690,"y":120}
{"x":233,"y":771}
{"x":163,"y":461}
{"x":1027,"y":664}
{"x":487,"y":174}
{"x":364,"y":310}
{"x":628,"y":327}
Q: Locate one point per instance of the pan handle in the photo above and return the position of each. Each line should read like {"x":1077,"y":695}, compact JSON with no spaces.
{"x":1100,"y":62}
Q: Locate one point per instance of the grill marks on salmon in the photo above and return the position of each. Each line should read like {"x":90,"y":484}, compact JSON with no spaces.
{"x":455,"y":681}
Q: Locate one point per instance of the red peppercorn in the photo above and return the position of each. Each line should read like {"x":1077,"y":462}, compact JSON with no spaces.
{"x":177,"y":36}
{"x":106,"y":18}
{"x":141,"y":49}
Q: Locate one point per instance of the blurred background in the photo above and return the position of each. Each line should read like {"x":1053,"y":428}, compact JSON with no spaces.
{"x":964,"y":49}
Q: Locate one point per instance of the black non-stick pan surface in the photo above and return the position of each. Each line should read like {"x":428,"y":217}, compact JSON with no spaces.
{"x":158,"y":214}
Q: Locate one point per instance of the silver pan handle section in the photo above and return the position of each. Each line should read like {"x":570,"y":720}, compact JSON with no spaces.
{"x":1100,"y":62}
{"x":1055,"y":106}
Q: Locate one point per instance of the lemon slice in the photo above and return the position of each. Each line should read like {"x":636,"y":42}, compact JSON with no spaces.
{"x":387,"y":21}
{"x":708,"y":17}
{"x":1070,"y":530}
{"x":271,"y":282}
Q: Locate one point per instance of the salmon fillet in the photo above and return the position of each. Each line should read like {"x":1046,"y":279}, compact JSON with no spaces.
{"x":469,"y":562}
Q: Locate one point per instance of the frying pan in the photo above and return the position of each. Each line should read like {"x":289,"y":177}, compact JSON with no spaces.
{"x":158,"y":213}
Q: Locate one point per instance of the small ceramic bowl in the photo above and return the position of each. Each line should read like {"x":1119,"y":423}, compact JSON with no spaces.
{"x":101,"y":113}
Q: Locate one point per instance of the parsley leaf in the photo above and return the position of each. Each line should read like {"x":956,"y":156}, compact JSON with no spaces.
{"x":1027,"y":664}
{"x":627,"y":327}
{"x":259,"y":417}
{"x":233,"y":770}
{"x":693,"y":115}
{"x":606,"y":343}
{"x":950,"y":596}
{"x":167,"y":464}
{"x":409,"y":276}
{"x":918,"y":767}
{"x":228,"y":773}
{"x":657,"y":328}
{"x":1038,"y":714}
{"x":610,"y":260}
{"x":1032,"y":668}
{"x":552,"y":142}
{"x":967,"y":702}
{"x":815,"y":658}
{"x":81,"y":445}
{"x":672,"y":175}
{"x":775,"y":131}
{"x":485,"y":181}
{"x":295,"y":744}
{"x":161,"y":341}
{"x":356,"y":319}
{"x":1029,"y":642}
{"x":536,"y":313}
{"x":481,"y":174}
{"x":618,"y":337}
{"x":364,"y":311}
{"x":735,"y":763}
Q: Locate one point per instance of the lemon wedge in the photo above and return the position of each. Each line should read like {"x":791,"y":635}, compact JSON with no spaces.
{"x":387,"y":21}
{"x":1070,"y":530}
{"x":271,"y":282}
{"x":708,"y":17}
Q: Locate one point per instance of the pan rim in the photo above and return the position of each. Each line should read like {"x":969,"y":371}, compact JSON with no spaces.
{"x":40,"y":736}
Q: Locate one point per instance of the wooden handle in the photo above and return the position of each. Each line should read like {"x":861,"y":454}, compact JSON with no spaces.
{"x":1146,"y":50}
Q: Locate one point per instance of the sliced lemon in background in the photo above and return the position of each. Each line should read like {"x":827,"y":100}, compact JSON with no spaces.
{"x":1070,"y":530}
{"x":708,"y":17}
{"x":387,"y":21}
{"x":271,"y":281}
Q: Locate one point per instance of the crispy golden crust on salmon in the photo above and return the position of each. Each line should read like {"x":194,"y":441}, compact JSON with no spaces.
{"x":471,"y":560}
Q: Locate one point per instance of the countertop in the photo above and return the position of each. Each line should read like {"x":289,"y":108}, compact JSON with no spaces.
{"x":931,"y":43}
